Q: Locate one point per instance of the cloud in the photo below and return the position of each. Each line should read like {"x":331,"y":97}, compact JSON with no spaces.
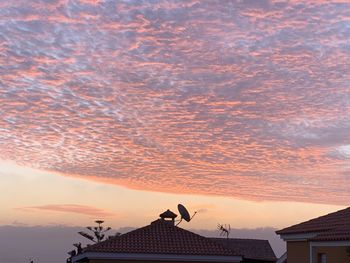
{"x":70,"y":208}
{"x":247,"y":99}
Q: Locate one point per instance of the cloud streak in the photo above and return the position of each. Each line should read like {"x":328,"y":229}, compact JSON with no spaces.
{"x":248,"y":99}
{"x":70,"y":208}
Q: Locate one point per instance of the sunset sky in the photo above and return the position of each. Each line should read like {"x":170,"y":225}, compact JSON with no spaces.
{"x":121,"y":109}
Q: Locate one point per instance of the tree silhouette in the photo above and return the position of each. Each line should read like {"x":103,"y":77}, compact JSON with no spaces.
{"x":98,"y":232}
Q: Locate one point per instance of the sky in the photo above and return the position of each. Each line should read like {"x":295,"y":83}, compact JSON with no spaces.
{"x":122,"y":109}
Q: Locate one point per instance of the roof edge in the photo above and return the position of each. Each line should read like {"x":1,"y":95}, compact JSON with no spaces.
{"x":156,"y":257}
{"x":298,"y":236}
{"x":247,"y":239}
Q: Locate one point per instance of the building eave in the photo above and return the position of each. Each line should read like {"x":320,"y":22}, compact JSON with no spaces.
{"x":155,"y":257}
{"x":325,"y":243}
{"x":298,"y":237}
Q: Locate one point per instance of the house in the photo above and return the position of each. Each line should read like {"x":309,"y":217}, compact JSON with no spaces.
{"x":325,"y":239}
{"x":162,"y":241}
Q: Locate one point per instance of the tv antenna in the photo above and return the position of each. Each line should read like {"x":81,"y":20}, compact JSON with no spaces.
{"x":225,"y":230}
{"x":97,"y":232}
{"x":185,"y":215}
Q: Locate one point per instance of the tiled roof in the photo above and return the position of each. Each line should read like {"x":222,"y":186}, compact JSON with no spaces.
{"x":341,"y":234}
{"x":249,"y":248}
{"x":161,"y":237}
{"x":334,"y":226}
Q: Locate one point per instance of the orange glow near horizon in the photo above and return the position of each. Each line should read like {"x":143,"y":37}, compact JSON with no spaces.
{"x":44,"y":198}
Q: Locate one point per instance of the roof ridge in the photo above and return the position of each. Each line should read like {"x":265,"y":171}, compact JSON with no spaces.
{"x":327,"y":215}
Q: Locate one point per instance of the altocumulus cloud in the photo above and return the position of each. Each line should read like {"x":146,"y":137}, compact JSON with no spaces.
{"x":248,"y":99}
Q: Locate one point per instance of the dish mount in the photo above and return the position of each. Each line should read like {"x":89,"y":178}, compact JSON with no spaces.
{"x":185,"y":215}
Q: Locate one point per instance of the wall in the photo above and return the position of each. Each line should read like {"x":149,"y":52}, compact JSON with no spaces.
{"x":298,"y":252}
{"x":334,"y":254}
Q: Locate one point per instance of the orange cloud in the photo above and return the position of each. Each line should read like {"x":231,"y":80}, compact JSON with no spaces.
{"x":245,"y":99}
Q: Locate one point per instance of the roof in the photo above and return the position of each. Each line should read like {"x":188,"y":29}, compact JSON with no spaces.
{"x":161,"y":237}
{"x":251,"y":248}
{"x":332,"y":227}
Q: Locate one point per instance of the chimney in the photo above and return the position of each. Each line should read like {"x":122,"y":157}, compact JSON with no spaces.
{"x":168,"y":216}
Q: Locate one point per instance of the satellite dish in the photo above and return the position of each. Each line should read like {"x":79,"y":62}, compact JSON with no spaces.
{"x":184,"y":213}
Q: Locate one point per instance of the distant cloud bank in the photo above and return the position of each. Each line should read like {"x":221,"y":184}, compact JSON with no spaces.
{"x":51,"y":243}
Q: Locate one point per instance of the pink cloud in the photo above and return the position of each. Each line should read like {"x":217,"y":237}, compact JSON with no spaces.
{"x":71,"y":208}
{"x":246,"y":99}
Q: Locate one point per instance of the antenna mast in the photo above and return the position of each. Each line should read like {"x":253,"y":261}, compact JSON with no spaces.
{"x":225,"y":230}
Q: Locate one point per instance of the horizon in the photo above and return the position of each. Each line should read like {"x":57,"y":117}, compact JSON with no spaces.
{"x":119,"y":110}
